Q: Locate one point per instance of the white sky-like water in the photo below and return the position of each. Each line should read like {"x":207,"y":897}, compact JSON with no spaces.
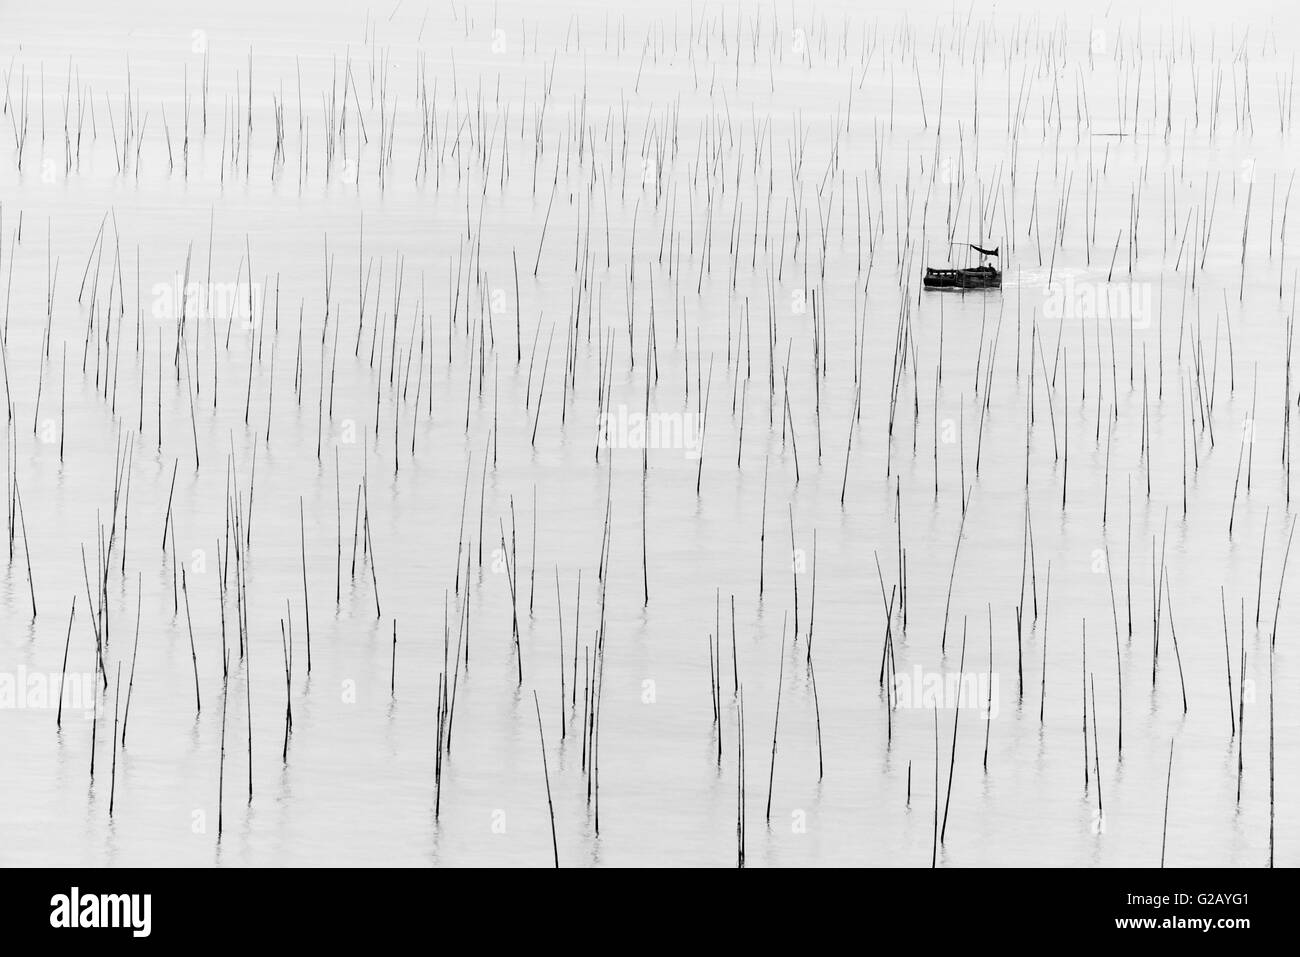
{"x":358,"y":784}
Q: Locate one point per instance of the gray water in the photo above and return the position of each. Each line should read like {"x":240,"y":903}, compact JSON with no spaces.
{"x":632,"y":264}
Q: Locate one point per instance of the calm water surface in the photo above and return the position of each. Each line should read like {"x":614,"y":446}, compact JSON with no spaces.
{"x":671,"y":244}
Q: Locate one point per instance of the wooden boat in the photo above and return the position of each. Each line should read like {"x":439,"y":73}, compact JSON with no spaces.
{"x":977,"y":277}
{"x":974,"y":277}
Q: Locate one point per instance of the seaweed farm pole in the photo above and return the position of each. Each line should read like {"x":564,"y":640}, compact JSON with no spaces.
{"x":221,"y":766}
{"x":956,"y":713}
{"x":934,"y":846}
{"x":112,"y":785}
{"x":1065,"y":418}
{"x":441,"y":737}
{"x":1169,"y":776}
{"x":943,"y":641}
{"x":306,"y":604}
{"x":645,"y":474}
{"x":762,"y":532}
{"x":1119,"y":666}
{"x":1272,"y":764}
{"x":794,"y":574}
{"x":58,"y":718}
{"x":94,"y":730}
{"x":1128,"y":558}
{"x":740,"y":774}
{"x":194,"y":655}
{"x":286,"y":652}
{"x":27,"y":547}
{"x":1282,"y":578}
{"x":248,"y":702}
{"x":1042,"y":692}
{"x":541,"y":735}
{"x":1259,"y":581}
{"x":130,"y":684}
{"x":817,"y":714}
{"x":1241,"y":703}
{"x":338,"y":521}
{"x":988,"y":707}
{"x":776,"y":723}
{"x":1096,"y":748}
{"x":1227,"y":657}
{"x":514,"y":259}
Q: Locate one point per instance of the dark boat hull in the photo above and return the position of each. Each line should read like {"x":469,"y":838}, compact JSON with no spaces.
{"x":977,"y":278}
